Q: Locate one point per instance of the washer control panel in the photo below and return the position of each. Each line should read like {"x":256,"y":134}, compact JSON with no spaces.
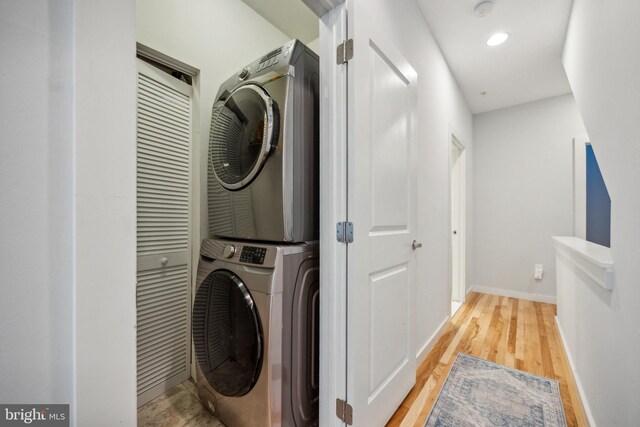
{"x":229,"y":251}
{"x":253,"y":255}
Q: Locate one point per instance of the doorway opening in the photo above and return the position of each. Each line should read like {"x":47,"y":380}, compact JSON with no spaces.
{"x":457,"y":229}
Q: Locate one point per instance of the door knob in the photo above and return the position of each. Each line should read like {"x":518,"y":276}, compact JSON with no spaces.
{"x":415,"y":245}
{"x":164,"y":261}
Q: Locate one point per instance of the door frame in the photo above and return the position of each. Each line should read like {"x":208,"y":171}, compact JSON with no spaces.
{"x":195,"y":174}
{"x":333,"y":209}
{"x":462,"y":228}
{"x":580,"y":186}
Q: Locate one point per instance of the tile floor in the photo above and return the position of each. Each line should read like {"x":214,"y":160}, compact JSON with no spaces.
{"x":179,"y":407}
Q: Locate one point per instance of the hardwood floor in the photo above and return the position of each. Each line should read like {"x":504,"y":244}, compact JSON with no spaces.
{"x":516,"y":333}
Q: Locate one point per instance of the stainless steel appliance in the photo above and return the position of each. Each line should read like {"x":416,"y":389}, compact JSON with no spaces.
{"x":263,"y":150}
{"x":255,"y":333}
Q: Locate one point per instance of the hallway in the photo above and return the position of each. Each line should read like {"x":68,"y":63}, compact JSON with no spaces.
{"x":516,"y":333}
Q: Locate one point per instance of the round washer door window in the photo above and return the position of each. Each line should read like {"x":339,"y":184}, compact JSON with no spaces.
{"x":244,"y":129}
{"x":227,"y":334}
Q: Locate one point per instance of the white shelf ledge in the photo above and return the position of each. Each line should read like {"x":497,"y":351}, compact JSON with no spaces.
{"x":592,"y":259}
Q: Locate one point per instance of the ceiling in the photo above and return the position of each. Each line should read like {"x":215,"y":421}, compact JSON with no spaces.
{"x":291,"y":17}
{"x":527,"y":67}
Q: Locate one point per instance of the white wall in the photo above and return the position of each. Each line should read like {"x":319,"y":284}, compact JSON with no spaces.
{"x":441,"y":109}
{"x":314,"y":45}
{"x":216,"y":37}
{"x":105,"y":212}
{"x":68,"y":207}
{"x":524,"y":194}
{"x":602,"y":60}
{"x":36,"y":206}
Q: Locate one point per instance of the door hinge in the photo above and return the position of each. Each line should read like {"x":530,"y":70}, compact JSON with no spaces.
{"x":344,"y":52}
{"x":344,"y":411}
{"x":344,"y":232}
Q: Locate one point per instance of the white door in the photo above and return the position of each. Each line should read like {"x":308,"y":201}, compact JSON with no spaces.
{"x":381,"y":175}
{"x":163,"y":297}
{"x":455,"y":221}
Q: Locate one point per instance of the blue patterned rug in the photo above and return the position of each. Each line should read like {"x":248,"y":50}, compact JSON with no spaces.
{"x":480,"y":393}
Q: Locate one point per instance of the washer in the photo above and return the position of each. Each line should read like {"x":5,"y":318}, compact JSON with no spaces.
{"x":255,"y":333}
{"x":263,"y":150}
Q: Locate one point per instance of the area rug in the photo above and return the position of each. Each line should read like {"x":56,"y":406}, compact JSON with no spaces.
{"x":481,"y":393}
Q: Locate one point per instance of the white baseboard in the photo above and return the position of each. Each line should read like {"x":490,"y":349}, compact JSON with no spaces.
{"x":426,"y":348}
{"x":572,"y":365}
{"x":513,"y":294}
{"x":468,"y":292}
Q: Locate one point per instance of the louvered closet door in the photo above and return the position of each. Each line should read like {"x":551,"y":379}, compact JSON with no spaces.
{"x":163,"y":232}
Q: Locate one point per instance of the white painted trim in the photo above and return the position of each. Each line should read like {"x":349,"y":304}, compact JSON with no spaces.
{"x":548,"y":299}
{"x":592,"y":259}
{"x":462,"y":167}
{"x":161,"y":58}
{"x":580,"y":186}
{"x":196,"y":196}
{"x":322,"y":7}
{"x":583,"y":396}
{"x":333,"y":208}
{"x":466,"y":295}
{"x":104,"y":213}
{"x":428,"y":346}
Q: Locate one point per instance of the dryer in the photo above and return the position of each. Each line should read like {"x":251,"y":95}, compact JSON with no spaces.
{"x":263,"y":150}
{"x":255,"y":333}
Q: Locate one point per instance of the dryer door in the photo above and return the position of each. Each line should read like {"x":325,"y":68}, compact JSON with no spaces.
{"x":244,"y":130}
{"x":227,"y":334}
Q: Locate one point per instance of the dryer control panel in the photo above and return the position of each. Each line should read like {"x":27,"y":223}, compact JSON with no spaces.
{"x":279,"y":55}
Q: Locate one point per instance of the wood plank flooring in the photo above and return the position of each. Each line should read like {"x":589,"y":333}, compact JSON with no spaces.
{"x":516,"y":333}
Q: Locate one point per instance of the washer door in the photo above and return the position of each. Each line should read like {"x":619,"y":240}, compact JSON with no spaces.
{"x":227,"y":334}
{"x":244,"y":130}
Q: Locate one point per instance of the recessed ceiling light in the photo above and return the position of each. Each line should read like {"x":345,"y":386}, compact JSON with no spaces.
{"x":497,"y":39}
{"x":483,"y":8}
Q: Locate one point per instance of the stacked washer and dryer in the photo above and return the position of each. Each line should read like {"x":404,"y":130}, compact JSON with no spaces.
{"x":255,"y":320}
